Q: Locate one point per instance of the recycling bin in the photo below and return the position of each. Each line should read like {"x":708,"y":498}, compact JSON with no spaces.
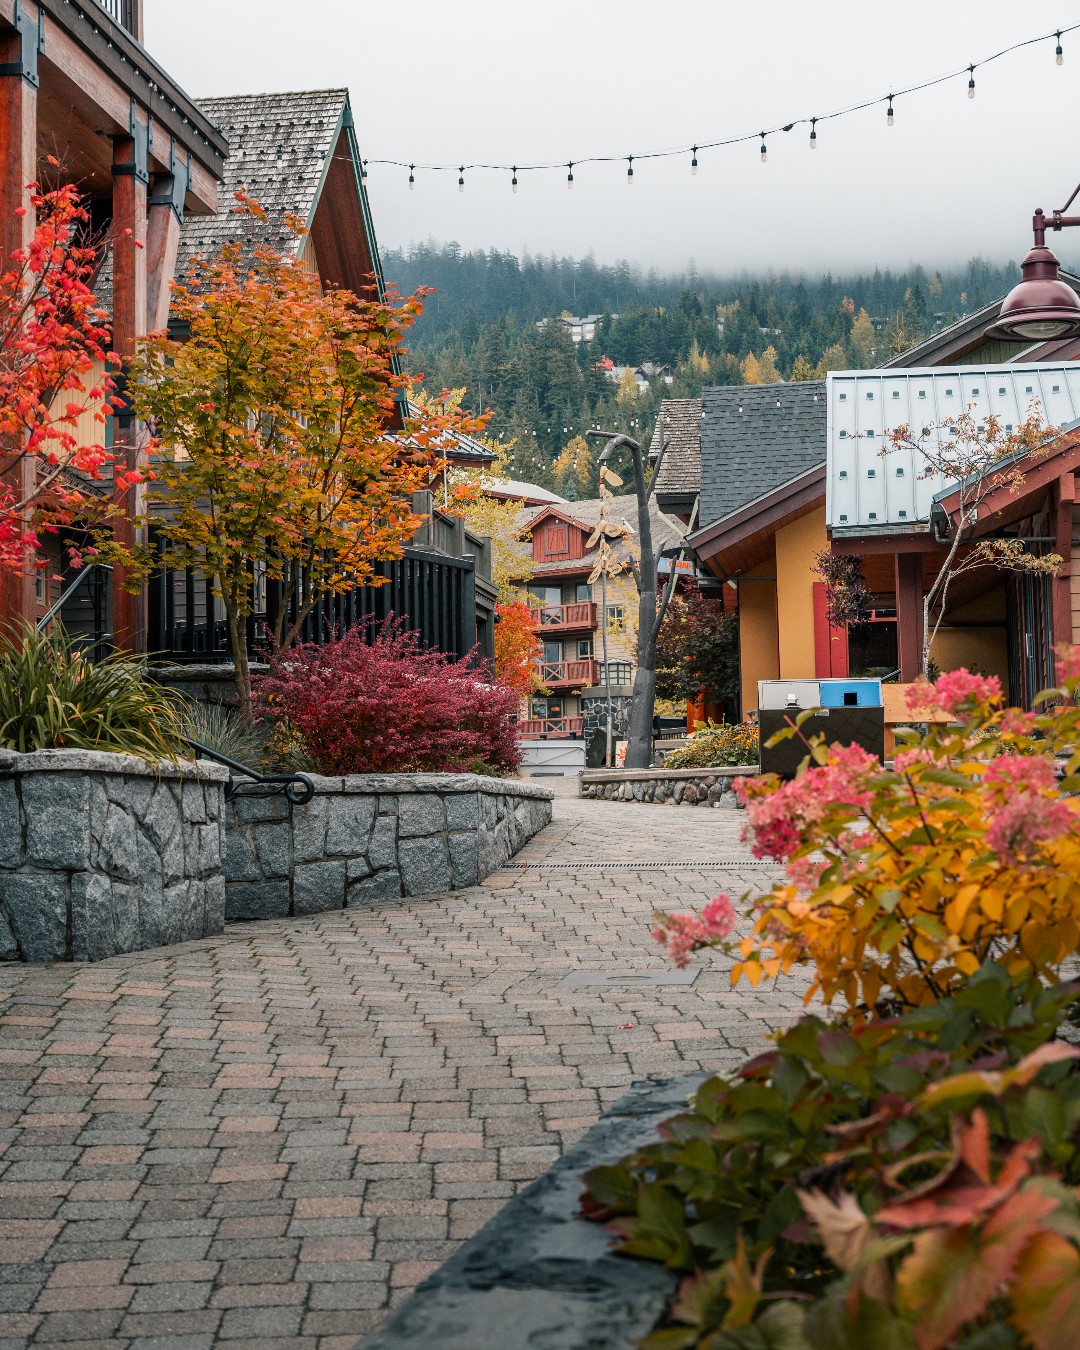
{"x":849,"y":712}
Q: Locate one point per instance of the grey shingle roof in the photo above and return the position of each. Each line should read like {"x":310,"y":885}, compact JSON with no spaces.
{"x":279,"y":146}
{"x":679,"y":422}
{"x":755,"y":438}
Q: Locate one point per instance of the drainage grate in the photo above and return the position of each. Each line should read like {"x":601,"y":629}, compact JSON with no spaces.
{"x":582,"y":979}
{"x":680,"y":864}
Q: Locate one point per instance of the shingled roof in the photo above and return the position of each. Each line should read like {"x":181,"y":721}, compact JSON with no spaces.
{"x":679,"y":423}
{"x":279,"y":151}
{"x":623,"y":509}
{"x":756,"y":437}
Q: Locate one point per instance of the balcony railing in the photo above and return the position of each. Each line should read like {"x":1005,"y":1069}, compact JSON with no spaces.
{"x":567,"y":674}
{"x":124,"y":12}
{"x":540,"y":728}
{"x":564,"y":618}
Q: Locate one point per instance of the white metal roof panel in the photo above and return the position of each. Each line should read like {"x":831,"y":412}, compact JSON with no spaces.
{"x":869,"y":485}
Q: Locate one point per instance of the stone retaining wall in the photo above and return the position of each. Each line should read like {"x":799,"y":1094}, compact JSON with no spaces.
{"x":666,"y":787}
{"x":203,"y":683}
{"x":102,"y":854}
{"x":373,"y":837}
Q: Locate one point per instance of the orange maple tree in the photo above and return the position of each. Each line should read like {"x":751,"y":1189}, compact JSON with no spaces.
{"x":517,"y":648}
{"x":53,"y":335}
{"x":273,"y":420}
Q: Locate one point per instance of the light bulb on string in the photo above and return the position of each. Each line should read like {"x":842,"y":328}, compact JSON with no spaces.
{"x":1059,"y":55}
{"x":693,"y":162}
{"x":461,"y":179}
{"x":363,"y":162}
{"x":813,"y":133}
{"x":570,"y":176}
{"x":513,"y":181}
{"x":889,"y":112}
{"x":412,"y":178}
{"x":630,"y":171}
{"x":764,"y":151}
{"x":971,"y":82}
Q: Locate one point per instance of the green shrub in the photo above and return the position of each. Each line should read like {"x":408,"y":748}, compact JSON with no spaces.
{"x":53,"y":697}
{"x":223,"y":730}
{"x":717,"y":745}
{"x":908,"y":1184}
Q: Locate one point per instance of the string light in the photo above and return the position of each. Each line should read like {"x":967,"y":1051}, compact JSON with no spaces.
{"x":412,"y":178}
{"x":513,"y":181}
{"x":363,"y":164}
{"x":760,"y":136}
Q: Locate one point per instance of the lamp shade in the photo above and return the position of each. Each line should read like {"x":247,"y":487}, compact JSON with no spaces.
{"x":1041,"y":307}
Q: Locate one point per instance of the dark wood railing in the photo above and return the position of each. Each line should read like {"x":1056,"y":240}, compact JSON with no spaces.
{"x":561,"y":618}
{"x":539,"y":728}
{"x":127,"y":13}
{"x":433,"y":595}
{"x":567,"y":674}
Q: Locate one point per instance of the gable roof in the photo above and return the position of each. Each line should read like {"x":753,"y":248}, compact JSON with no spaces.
{"x":279,"y":152}
{"x":754,"y":438}
{"x":585,"y":515}
{"x":679,"y":423}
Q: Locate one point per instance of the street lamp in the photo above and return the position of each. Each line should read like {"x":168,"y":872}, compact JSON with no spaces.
{"x":1042,"y":306}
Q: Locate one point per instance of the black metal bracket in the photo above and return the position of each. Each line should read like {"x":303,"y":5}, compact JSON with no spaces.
{"x":31,"y":41}
{"x":296,"y":787}
{"x":139,"y":134}
{"x":170,"y":189}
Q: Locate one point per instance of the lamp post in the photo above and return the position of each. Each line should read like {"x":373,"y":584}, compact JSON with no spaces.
{"x":1042,"y":306}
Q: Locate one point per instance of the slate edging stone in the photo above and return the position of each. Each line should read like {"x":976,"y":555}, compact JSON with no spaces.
{"x":102,"y":854}
{"x":537,"y":1277}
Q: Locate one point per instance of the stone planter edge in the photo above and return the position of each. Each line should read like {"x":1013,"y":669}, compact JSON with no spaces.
{"x":591,"y":776}
{"x":538,"y":1267}
{"x":107,"y":761}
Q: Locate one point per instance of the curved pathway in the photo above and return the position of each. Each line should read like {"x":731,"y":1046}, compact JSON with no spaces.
{"x":268,"y":1138}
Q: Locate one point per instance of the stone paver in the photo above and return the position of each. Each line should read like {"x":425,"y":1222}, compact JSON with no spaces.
{"x":269,"y":1138}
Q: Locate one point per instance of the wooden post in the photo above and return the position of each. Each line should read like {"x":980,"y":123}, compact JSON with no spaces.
{"x":129,"y":325}
{"x":18,"y":168}
{"x":909,"y":615}
{"x":1064,"y":497}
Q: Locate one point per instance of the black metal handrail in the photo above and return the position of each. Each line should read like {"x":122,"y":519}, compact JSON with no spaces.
{"x":297,"y":787}
{"x":122,"y":12}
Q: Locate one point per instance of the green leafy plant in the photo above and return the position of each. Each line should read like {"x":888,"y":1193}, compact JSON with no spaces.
{"x":904,"y":1183}
{"x":53,"y":697}
{"x":717,"y":745}
{"x":221,"y":729}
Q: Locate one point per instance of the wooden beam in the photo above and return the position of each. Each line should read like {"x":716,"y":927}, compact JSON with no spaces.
{"x":909,"y":615}
{"x":1064,"y":498}
{"x":162,"y":246}
{"x":18,"y":167}
{"x":129,"y":326}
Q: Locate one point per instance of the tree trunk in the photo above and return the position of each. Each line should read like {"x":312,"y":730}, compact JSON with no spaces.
{"x":238,"y":647}
{"x":639,"y":736}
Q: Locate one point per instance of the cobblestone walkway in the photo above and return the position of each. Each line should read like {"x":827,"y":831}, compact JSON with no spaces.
{"x":268,"y":1138}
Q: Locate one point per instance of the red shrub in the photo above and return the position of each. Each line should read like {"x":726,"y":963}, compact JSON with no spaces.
{"x":390,"y":706}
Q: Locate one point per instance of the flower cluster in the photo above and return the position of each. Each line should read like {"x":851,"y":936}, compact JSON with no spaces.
{"x":1023,"y":811}
{"x":683,"y":934}
{"x":954,"y":690}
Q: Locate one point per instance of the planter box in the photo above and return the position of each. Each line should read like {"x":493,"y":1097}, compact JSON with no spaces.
{"x":102,"y":854}
{"x":537,"y":1275}
{"x":373,"y":837}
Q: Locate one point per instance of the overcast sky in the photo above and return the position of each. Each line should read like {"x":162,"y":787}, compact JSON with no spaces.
{"x":523,"y":80}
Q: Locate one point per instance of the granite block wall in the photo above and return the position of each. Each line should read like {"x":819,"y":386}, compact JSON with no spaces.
{"x":370,"y":837}
{"x":102,"y":854}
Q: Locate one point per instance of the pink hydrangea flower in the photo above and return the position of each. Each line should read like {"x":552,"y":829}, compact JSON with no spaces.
{"x":919,"y":754}
{"x":1068,"y":662}
{"x":683,"y":934}
{"x":957,"y":687}
{"x":1022,"y":811}
{"x":777,"y":825}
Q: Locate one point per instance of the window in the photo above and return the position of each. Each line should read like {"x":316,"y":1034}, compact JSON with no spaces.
{"x":552,"y":651}
{"x":616,"y":617}
{"x":583,"y":593}
{"x":546,"y":595}
{"x":584,"y":649}
{"x":555,"y":540}
{"x":622,"y":672}
{"x":39,"y":587}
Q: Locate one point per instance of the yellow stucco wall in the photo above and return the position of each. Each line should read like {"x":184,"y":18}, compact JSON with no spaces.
{"x":758,"y":654}
{"x":796,"y":545}
{"x":962,"y":642}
